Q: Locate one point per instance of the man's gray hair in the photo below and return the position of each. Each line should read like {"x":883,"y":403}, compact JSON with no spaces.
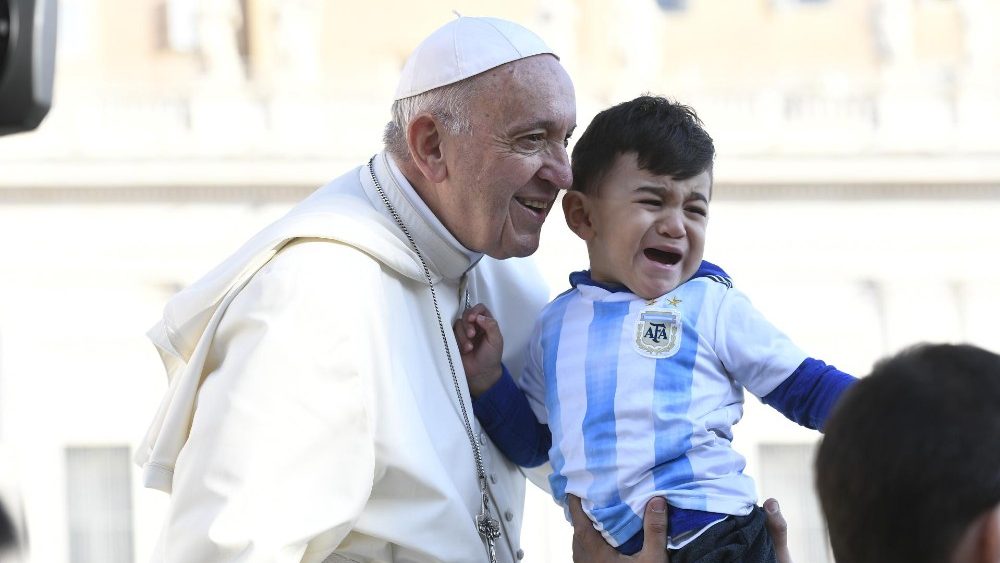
{"x":448,"y":104}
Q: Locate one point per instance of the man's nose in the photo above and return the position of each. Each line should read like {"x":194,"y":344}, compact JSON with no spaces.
{"x":557,"y":170}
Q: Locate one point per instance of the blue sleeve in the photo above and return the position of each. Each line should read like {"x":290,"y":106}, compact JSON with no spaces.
{"x":807,"y":396}
{"x":504,"y":413}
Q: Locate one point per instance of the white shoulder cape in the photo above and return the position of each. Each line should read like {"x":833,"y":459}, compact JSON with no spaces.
{"x":190,"y":318}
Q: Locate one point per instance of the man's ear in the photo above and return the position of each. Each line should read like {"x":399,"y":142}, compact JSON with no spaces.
{"x":989,"y":537}
{"x":980,"y":541}
{"x":423,"y":139}
{"x":576,"y":209}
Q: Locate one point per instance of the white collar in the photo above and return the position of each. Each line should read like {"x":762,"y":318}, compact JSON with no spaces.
{"x":446,"y":256}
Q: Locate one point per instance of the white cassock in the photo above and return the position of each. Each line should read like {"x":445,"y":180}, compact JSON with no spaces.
{"x":311,"y":414}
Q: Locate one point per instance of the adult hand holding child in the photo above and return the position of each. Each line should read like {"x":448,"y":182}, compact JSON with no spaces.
{"x":590,"y":547}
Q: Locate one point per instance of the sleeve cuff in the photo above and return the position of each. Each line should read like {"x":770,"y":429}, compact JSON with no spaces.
{"x":492,"y":406}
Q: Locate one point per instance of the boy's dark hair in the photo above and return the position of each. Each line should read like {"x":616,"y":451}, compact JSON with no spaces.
{"x":668,"y":138}
{"x":911,"y":455}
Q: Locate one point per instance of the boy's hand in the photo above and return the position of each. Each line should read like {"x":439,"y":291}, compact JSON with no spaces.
{"x":589,"y":546}
{"x":481,"y":346}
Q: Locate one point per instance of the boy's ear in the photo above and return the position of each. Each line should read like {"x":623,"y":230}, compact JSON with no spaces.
{"x":424,"y":140}
{"x":576,"y":209}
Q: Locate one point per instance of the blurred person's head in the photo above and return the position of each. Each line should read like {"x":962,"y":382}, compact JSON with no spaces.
{"x":480,"y":125}
{"x":642,"y":182}
{"x":13,"y":535}
{"x":909,"y":468}
{"x":8,"y":534}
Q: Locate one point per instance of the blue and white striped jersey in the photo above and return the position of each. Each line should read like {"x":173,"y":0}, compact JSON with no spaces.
{"x":641,"y":396}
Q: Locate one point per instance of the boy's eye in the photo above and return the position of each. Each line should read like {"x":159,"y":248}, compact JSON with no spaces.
{"x":697,"y":210}
{"x":652,"y":202}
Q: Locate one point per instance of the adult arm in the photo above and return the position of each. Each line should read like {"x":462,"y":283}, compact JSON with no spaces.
{"x":280,"y":460}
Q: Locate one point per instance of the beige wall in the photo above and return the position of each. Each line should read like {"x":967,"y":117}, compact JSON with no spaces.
{"x":714,"y":44}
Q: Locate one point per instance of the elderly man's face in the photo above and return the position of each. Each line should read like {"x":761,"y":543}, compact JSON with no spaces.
{"x":504,"y":177}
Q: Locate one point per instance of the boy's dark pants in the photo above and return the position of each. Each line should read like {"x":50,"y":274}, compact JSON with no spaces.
{"x":742,"y":539}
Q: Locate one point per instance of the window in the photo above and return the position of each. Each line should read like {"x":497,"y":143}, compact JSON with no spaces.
{"x":179,"y":25}
{"x":99,"y":504}
{"x":786,"y":473}
{"x":672,"y":5}
{"x":792,"y":3}
{"x":74,"y":32}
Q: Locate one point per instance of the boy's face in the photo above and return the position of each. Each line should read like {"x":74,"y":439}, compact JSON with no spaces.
{"x":644,"y":231}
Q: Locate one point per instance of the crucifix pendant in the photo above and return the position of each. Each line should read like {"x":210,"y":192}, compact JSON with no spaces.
{"x":489,"y":528}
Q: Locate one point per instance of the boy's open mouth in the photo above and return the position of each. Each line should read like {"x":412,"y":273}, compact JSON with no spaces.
{"x":662,"y":256}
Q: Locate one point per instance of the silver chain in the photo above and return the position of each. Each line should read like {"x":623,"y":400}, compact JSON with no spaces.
{"x":488,"y":527}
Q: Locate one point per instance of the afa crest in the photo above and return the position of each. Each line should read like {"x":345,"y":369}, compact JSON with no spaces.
{"x":658,"y":333}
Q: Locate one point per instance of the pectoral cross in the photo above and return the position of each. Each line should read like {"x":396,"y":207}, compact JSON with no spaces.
{"x":489,"y":528}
